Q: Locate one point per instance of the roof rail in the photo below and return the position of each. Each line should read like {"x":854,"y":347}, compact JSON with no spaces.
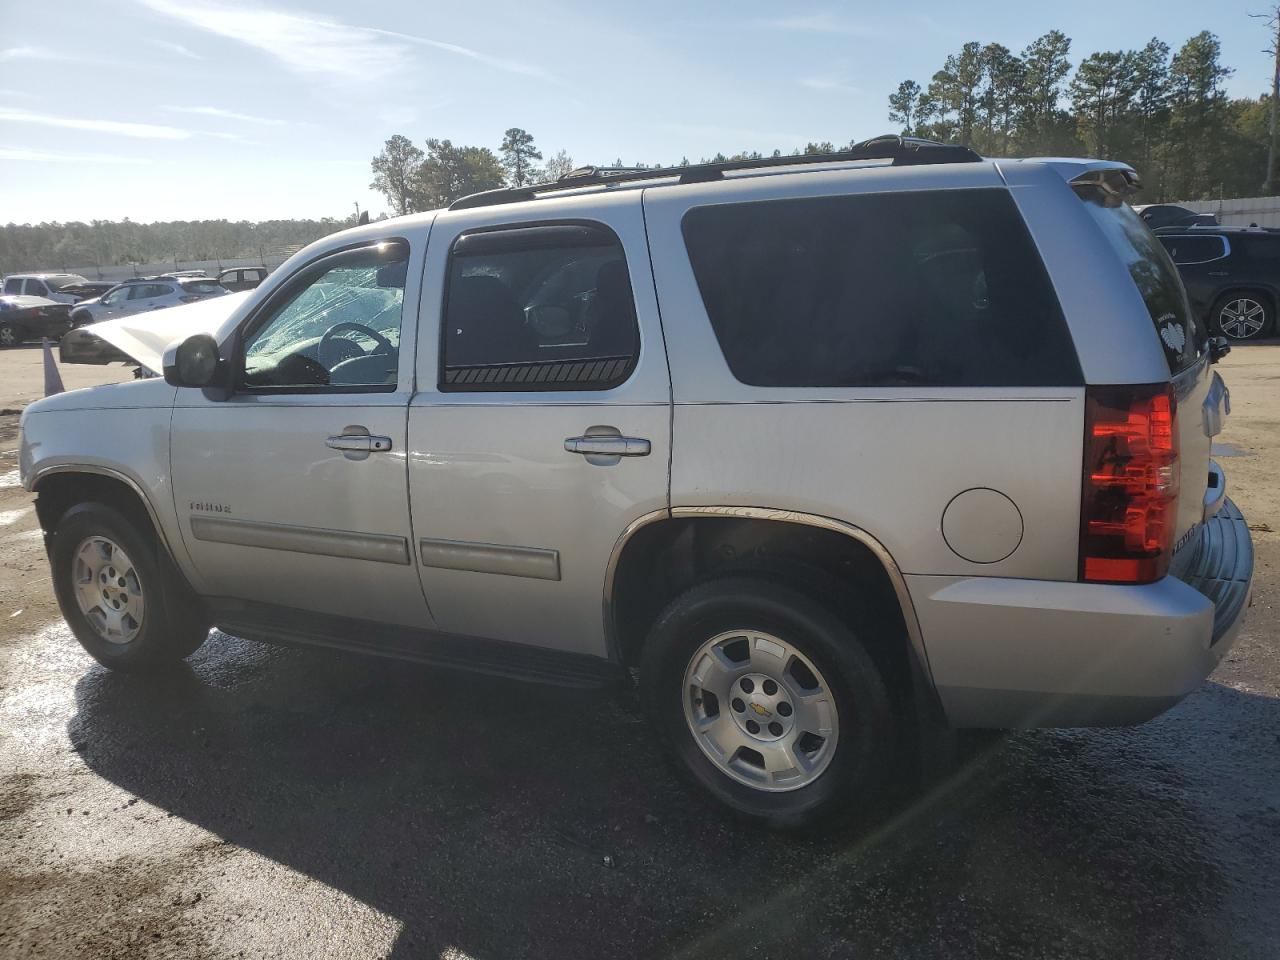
{"x":903,"y":151}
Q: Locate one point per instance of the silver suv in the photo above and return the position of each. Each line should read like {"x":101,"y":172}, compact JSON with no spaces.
{"x":832,"y":454}
{"x":147,"y":293}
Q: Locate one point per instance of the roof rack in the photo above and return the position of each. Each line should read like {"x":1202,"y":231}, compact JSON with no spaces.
{"x":903,"y":151}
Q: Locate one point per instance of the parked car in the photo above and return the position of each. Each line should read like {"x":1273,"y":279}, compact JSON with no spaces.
{"x":1232,"y":275}
{"x":88,"y":290}
{"x":242,"y":278}
{"x":25,"y":318}
{"x":1159,"y":215}
{"x":145,"y":293}
{"x":47,"y":285}
{"x":829,"y":459}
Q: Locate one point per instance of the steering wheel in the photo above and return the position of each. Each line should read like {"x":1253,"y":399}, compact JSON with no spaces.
{"x":331,"y":354}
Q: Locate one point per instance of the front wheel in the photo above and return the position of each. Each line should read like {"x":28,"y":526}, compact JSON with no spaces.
{"x":8,"y":335}
{"x":769,"y":702}
{"x":1242,"y":316}
{"x":118,"y":592}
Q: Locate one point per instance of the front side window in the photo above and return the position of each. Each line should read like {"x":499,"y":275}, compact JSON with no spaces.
{"x":336,"y":326}
{"x":545,"y":307}
{"x":1261,"y":248}
{"x":897,"y":289}
{"x":36,"y":288}
{"x":113,"y":297}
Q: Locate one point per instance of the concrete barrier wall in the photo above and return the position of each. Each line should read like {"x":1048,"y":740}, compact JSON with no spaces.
{"x":1261,"y":211}
{"x":211,"y":267}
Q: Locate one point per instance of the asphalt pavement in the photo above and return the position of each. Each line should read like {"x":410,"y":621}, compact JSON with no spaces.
{"x":263,"y":801}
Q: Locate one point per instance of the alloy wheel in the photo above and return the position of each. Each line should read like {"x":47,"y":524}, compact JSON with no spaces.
{"x":1242,"y":318}
{"x":108,"y":589}
{"x":760,"y":710}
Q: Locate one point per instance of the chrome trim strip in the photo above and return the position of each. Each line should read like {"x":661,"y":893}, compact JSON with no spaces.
{"x":536,"y":563}
{"x":785,"y":516}
{"x":377,"y":547}
{"x":114,"y":475}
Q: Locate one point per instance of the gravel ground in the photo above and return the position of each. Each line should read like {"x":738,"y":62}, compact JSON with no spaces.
{"x":270,"y":802}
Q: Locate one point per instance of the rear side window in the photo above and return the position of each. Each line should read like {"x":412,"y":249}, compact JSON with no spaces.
{"x":898,"y":289}
{"x":1153,"y":274}
{"x":202,"y":286}
{"x":1194,"y":249}
{"x":543,"y":307}
{"x":13,"y":285}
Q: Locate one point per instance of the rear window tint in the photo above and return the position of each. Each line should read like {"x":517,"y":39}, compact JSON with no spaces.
{"x":899,"y":289}
{"x":1194,"y":249}
{"x":1153,"y":273}
{"x":202,"y":286}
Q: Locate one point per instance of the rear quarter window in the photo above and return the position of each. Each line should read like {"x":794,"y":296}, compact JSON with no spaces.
{"x":1194,"y":249}
{"x":898,"y":289}
{"x":1153,"y":273}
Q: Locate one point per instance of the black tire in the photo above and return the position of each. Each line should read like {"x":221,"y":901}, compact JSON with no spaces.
{"x":853,"y":784}
{"x":1233,"y":330}
{"x":173,"y":624}
{"x":10,"y":336}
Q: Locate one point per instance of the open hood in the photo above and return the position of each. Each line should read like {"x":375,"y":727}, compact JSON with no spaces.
{"x":145,"y":336}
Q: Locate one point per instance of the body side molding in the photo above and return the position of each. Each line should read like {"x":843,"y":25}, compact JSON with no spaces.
{"x":537,"y":563}
{"x":377,"y":547}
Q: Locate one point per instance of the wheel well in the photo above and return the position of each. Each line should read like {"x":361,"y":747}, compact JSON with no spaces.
{"x":665,"y":558}
{"x":1262,"y":292}
{"x":58,"y":493}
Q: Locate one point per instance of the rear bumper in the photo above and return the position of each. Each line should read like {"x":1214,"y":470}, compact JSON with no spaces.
{"x":1030,"y":653}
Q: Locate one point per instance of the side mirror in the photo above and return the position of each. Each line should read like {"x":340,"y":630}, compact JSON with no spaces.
{"x":1219,"y":347}
{"x":194,"y":363}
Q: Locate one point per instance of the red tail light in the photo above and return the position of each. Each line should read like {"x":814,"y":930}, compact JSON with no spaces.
{"x":1129,"y":506}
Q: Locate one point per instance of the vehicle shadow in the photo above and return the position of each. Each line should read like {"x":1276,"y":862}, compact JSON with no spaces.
{"x":504,"y":820}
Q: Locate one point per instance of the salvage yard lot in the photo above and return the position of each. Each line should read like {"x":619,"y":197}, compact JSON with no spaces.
{"x":263,"y":801}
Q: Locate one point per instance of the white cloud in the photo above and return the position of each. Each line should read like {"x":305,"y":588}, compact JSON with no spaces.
{"x":177,"y":48}
{"x":31,"y":53}
{"x":45,"y":156}
{"x":223,"y":114}
{"x":829,"y":84}
{"x":313,"y":45}
{"x":821,"y":22}
{"x":146,"y":131}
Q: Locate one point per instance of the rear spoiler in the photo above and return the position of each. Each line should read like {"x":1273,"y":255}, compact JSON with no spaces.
{"x":1120,"y":181}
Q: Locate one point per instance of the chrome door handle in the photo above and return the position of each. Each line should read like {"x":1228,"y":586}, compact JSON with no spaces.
{"x":608,"y":446}
{"x":361,"y":444}
{"x":356,"y":443}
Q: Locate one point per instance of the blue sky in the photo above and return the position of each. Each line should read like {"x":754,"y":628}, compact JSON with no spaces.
{"x":191,"y":109}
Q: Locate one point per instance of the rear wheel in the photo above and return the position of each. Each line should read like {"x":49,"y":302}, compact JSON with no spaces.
{"x":1242,"y":316}
{"x":769,"y":702}
{"x":118,"y":592}
{"x":8,"y":335}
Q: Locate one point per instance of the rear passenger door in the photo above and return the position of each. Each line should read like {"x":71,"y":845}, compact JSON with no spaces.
{"x":541,"y":426}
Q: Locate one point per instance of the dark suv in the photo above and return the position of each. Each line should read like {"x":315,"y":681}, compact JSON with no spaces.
{"x":1232,"y":275}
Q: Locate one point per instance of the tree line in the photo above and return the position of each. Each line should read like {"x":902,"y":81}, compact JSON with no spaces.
{"x":1163,"y":112}
{"x":103,"y":243}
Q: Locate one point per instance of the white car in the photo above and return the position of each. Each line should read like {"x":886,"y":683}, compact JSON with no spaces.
{"x":149,"y":293}
{"x":47,"y":285}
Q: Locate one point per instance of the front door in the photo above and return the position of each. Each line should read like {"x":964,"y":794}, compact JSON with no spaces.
{"x":542,"y":425}
{"x":292,"y":491}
